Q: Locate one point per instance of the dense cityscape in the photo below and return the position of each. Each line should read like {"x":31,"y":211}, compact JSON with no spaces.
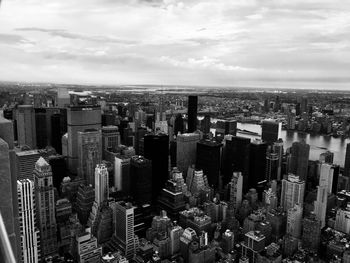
{"x":173,"y":174}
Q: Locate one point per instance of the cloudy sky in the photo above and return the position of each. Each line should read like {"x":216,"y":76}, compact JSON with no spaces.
{"x":267,"y":43}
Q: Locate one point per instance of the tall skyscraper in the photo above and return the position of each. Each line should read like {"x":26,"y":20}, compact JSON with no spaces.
{"x":141,"y":179}
{"x":299,"y":159}
{"x":342,"y":220}
{"x":89,"y":153}
{"x":236,"y":189}
{"x":277,"y":148}
{"x":85,"y":248}
{"x":294,"y":217}
{"x":271,"y":131}
{"x":327,"y":157}
{"x":209,"y":160}
{"x":311,"y":232}
{"x":304,"y":105}
{"x":26,"y":128}
{"x":63,"y":97}
{"x":320,"y":204}
{"x":79,"y":119}
{"x":30,"y":245}
{"x":110,"y":138}
{"x":257,"y":163}
{"x":272,"y":162}
{"x":292,"y":192}
{"x":347,"y":161}
{"x":125,"y":229}
{"x":179,"y":125}
{"x":8,"y":185}
{"x":186,"y":150}
{"x":156,"y":149}
{"x":122,"y":181}
{"x":326,"y":176}
{"x":192,"y":113}
{"x":236,"y":158}
{"x":101,"y":183}
{"x":45,"y":206}
{"x":58,"y":129}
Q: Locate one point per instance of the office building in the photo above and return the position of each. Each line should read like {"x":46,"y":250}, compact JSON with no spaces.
{"x":236,"y":158}
{"x":63,"y":97}
{"x":43,"y":123}
{"x":272,"y":165}
{"x":179,"y":126}
{"x":291,"y":121}
{"x":254,"y":243}
{"x":277,"y":148}
{"x":101,"y":183}
{"x":206,"y":124}
{"x":122,"y":180}
{"x":156,"y":149}
{"x":89,"y":154}
{"x":257,"y":163}
{"x":299,"y":159}
{"x":320,"y":204}
{"x":271,"y":131}
{"x":209,"y":160}
{"x":311,"y":232}
{"x":236,"y":189}
{"x":26,"y":128}
{"x":127,"y":241}
{"x":85,"y":200}
{"x":141,"y":179}
{"x":85,"y":248}
{"x":292,"y":192}
{"x":186,"y":149}
{"x":192,"y":114}
{"x":29,"y":233}
{"x":327,"y":157}
{"x":326,"y":176}
{"x":45,"y":207}
{"x":110,"y":138}
{"x":79,"y":119}
{"x":347,"y":161}
{"x":58,"y":129}
{"x":342,"y":219}
{"x":294,"y":217}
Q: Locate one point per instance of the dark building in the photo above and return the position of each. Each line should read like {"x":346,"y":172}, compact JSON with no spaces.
{"x":85,"y":200}
{"x":209,"y":160}
{"x":205,"y":124}
{"x":336,"y":172}
{"x":139,"y":134}
{"x":236,"y":158}
{"x":179,"y":125}
{"x":172,"y":152}
{"x":272,"y":161}
{"x":299,"y":159}
{"x":59,"y":169}
{"x":58,"y":129}
{"x":41,"y":128}
{"x":156,"y":149}
{"x":192,"y":113}
{"x":270,"y":131}
{"x":141,"y":179}
{"x":257,"y":163}
{"x":347,"y":161}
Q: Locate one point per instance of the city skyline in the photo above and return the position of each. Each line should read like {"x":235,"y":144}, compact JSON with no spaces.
{"x":275,"y":44}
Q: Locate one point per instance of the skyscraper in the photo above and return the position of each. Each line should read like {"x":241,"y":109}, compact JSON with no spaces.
{"x":26,"y":128}
{"x":311,"y":232}
{"x":179,"y":125}
{"x":326,"y":176}
{"x":272,"y":162}
{"x":156,"y":149}
{"x":110,"y":138}
{"x":122,"y":181}
{"x":236,"y":188}
{"x":30,"y":245}
{"x":101,"y":183}
{"x":58,"y":128}
{"x":192,"y":113}
{"x":141,"y":179}
{"x":277,"y":148}
{"x":294,"y":217}
{"x":327,"y":157}
{"x":89,"y":153}
{"x":347,"y":161}
{"x":257,"y":163}
{"x":45,"y":207}
{"x":209,"y":160}
{"x":342,"y":219}
{"x":292,"y":192}
{"x":299,"y":159}
{"x":271,"y":130}
{"x":125,"y":229}
{"x":186,"y":149}
{"x":320,"y":204}
{"x":79,"y":119}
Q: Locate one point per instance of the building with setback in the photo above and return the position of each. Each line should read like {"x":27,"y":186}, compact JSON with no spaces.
{"x":292,"y":192}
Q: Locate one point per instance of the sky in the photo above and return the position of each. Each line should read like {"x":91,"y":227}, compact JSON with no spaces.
{"x":253,"y":43}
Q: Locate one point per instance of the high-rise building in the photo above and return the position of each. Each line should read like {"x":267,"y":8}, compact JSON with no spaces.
{"x":236,"y":188}
{"x":292,"y":192}
{"x":257,"y":163}
{"x":26,"y":128}
{"x":342,"y":220}
{"x":79,"y":119}
{"x":205,"y":124}
{"x":156,"y":149}
{"x":311,"y":232}
{"x":326,"y":176}
{"x":8,"y":185}
{"x":272,"y":162}
{"x":304,"y":105}
{"x":30,"y":244}
{"x":320,"y":204}
{"x":127,"y":241}
{"x":141,"y":179}
{"x":347,"y":161}
{"x":85,"y":200}
{"x":294,"y":217}
{"x":89,"y":153}
{"x":122,"y":181}
{"x":63,"y":97}
{"x":209,"y":160}
{"x":299,"y":159}
{"x":85,"y":248}
{"x":277,"y":148}
{"x":271,"y":130}
{"x":192,"y":113}
{"x":186,"y":149}
{"x":45,"y":206}
{"x":101,"y":183}
{"x":110,"y":138}
{"x":43,"y":124}
{"x":236,"y":158}
{"x":58,"y":129}
{"x":254,"y":243}
{"x":327,"y":157}
{"x":291,"y":121}
{"x":179,"y":125}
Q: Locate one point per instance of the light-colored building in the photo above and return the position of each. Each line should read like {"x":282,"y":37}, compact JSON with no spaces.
{"x":294,"y":221}
{"x":292,"y":192}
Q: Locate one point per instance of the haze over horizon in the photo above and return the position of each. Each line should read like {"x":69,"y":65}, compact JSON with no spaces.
{"x":274,"y":44}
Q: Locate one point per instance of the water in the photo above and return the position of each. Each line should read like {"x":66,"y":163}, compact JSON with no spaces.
{"x":318,"y":143}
